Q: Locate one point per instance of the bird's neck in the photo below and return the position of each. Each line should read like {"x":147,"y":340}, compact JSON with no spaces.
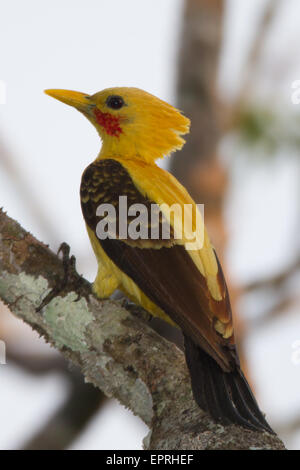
{"x":127,"y":148}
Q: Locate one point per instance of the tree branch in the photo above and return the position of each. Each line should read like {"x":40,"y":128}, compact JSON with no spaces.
{"x":115,"y":350}
{"x":263,"y":29}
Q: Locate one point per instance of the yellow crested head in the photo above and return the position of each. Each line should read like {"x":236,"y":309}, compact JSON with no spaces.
{"x":130,"y":121}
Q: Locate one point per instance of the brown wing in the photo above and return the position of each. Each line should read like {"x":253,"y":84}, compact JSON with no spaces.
{"x":162,"y":270}
{"x":102,"y":183}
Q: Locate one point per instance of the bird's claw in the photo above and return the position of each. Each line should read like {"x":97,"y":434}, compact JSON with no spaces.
{"x":71,"y":278}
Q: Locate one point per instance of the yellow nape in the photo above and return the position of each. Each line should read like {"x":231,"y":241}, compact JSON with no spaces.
{"x":130,"y":121}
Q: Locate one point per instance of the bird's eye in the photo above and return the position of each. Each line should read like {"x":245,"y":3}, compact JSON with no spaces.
{"x":115,"y":102}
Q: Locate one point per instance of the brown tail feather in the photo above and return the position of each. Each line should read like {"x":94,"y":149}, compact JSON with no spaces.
{"x":225,"y":395}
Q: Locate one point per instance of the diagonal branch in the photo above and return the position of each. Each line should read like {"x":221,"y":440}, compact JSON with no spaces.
{"x":115,"y":350}
{"x":263,"y":29}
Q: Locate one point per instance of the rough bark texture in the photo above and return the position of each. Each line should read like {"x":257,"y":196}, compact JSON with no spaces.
{"x":115,"y":349}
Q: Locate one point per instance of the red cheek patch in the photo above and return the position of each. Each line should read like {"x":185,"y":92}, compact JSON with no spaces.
{"x":110,"y":123}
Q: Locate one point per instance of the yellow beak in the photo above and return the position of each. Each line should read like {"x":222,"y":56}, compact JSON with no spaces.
{"x":80,"y":101}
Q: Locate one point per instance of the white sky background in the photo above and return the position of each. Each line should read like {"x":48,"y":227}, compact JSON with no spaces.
{"x":90,"y":45}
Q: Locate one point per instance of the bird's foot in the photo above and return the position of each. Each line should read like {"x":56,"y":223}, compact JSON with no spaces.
{"x":71,"y":278}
